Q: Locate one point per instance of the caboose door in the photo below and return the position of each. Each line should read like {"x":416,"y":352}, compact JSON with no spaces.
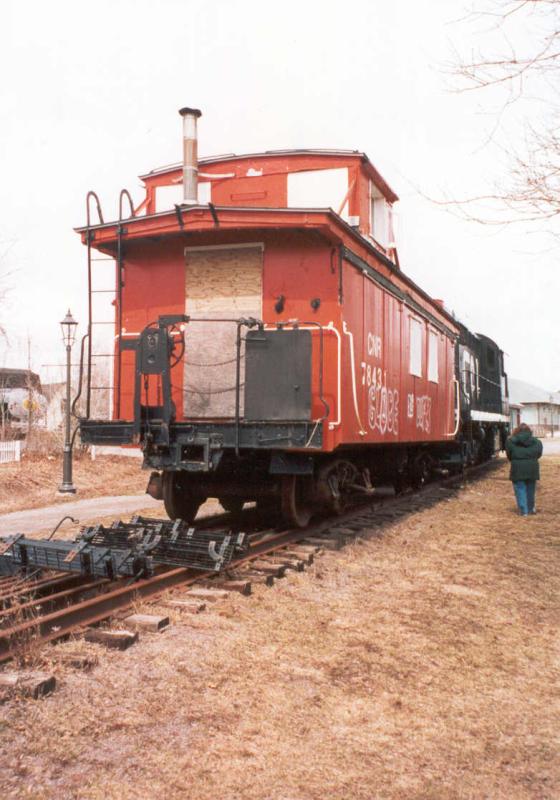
{"x":221,"y":281}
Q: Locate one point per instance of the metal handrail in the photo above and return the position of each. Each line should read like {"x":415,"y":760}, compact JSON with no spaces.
{"x":90,"y":195}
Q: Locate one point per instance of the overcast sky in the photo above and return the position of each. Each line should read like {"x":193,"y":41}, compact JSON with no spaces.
{"x":89,"y":100}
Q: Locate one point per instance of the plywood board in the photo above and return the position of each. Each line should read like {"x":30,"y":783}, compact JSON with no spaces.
{"x":221,"y":282}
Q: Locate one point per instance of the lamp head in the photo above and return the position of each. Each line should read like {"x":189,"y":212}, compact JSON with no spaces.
{"x":68,"y":325}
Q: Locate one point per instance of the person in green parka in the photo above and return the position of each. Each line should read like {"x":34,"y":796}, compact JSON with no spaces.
{"x":524,"y":451}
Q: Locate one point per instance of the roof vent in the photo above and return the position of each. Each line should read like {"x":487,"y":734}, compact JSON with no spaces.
{"x":190,"y":155}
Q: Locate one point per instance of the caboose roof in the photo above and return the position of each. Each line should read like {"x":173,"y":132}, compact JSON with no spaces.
{"x":201,"y":218}
{"x":370,"y":170}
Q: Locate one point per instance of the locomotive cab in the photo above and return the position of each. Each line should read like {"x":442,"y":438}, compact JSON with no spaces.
{"x":484,"y":404}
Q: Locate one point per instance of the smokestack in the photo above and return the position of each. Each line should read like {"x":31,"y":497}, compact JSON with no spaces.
{"x":190,"y":155}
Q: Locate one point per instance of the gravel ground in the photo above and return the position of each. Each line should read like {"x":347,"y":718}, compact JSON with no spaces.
{"x":421,"y":663}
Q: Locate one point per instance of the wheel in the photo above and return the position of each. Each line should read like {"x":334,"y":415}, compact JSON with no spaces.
{"x":232,"y":504}
{"x":336,"y":485}
{"x":421,"y":471}
{"x":178,"y":500}
{"x":267,"y":509}
{"x":295,"y":503}
{"x":400,"y":483}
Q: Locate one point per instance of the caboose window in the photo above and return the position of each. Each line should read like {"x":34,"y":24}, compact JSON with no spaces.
{"x":379,"y":213}
{"x":319,"y":188}
{"x":415,"y":347}
{"x":433,"y":357}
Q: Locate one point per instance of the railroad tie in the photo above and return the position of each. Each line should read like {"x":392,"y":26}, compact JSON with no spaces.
{"x":209,"y":595}
{"x":147,"y":622}
{"x":290,"y":563}
{"x":326,"y":543}
{"x":348,"y":532}
{"x":255,"y":577}
{"x":239,"y":585}
{"x":307,"y":556}
{"x":190,"y":606}
{"x":79,"y":661}
{"x":277,"y":570}
{"x":114,"y":640}
{"x":26,"y":684}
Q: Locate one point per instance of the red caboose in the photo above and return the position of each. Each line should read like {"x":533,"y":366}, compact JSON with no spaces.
{"x":267,"y":344}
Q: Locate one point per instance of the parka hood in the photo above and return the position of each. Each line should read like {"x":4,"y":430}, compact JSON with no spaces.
{"x":523,"y":438}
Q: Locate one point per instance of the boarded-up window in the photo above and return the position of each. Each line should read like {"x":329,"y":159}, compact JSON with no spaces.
{"x":415,"y":347}
{"x":220,"y":282}
{"x":433,"y":340}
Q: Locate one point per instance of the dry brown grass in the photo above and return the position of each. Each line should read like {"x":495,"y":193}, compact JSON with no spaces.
{"x":422,"y":664}
{"x":35,"y":480}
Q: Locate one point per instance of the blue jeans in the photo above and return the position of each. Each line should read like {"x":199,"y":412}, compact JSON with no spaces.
{"x":525,"y":496}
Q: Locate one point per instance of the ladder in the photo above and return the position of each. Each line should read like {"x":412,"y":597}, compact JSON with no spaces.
{"x":94,"y":357}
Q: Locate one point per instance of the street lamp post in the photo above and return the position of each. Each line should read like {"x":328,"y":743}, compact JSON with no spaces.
{"x":68,"y":326}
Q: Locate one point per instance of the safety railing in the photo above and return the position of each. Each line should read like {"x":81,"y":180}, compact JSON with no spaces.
{"x":103,"y":360}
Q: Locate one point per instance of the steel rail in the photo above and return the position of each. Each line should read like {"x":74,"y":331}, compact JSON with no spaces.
{"x":40,"y":587}
{"x":62,"y":622}
{"x":50,"y":602}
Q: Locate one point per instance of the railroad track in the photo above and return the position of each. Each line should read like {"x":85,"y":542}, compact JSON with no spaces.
{"x":43,"y":607}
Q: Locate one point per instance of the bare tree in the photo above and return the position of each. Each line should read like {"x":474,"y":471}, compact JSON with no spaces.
{"x":5,"y":287}
{"x":517,"y":74}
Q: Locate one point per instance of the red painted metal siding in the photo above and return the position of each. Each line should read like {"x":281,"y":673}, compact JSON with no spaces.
{"x":383,"y":402}
{"x":153,"y":285}
{"x":371,"y":394}
{"x":270,"y":189}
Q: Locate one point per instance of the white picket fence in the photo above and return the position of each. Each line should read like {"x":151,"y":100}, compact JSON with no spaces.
{"x":10,"y":451}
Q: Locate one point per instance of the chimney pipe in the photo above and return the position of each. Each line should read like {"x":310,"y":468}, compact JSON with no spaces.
{"x":190,"y":155}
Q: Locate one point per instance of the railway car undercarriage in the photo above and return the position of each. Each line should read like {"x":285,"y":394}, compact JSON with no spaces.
{"x":279,"y":464}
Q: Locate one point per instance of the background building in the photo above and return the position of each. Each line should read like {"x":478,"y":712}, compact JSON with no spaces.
{"x":537,"y":407}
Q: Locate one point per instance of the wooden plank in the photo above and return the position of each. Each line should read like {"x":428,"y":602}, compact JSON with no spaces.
{"x":190,"y":606}
{"x":78,"y":660}
{"x":301,"y":547}
{"x":219,"y":283}
{"x":346,"y":531}
{"x":327,"y":544}
{"x":115,"y":640}
{"x":306,"y":556}
{"x":27,"y":684}
{"x":210,"y":595}
{"x":147,"y":622}
{"x":257,"y":577}
{"x":290,"y":563}
{"x":277,"y":570}
{"x":241,"y":586}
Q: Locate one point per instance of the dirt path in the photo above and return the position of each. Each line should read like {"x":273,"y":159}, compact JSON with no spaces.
{"x":39,"y":520}
{"x":419,"y":664}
